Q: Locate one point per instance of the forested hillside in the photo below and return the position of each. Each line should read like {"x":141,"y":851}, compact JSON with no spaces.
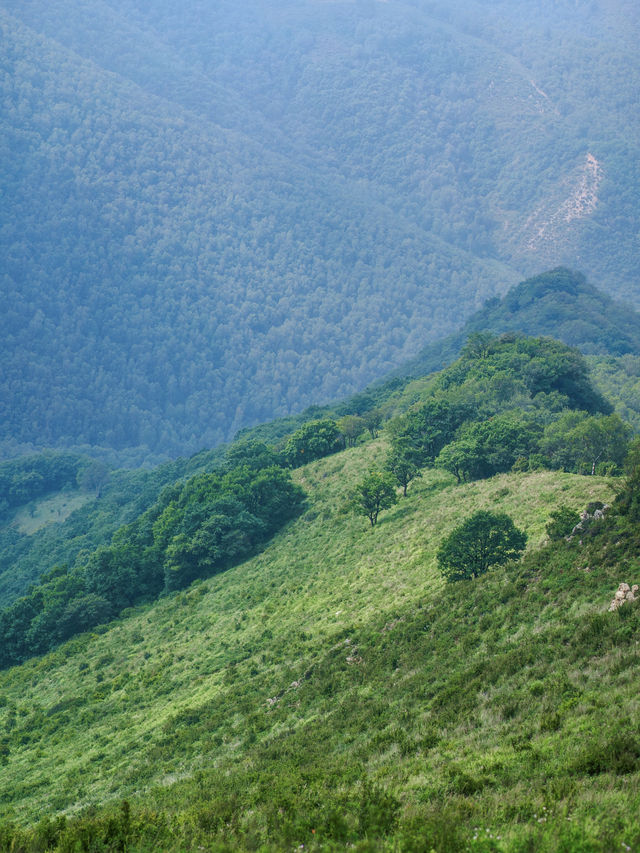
{"x":302,"y":644}
{"x":61,"y":509}
{"x":507,"y":404}
{"x":219,"y":216}
{"x":561,"y":304}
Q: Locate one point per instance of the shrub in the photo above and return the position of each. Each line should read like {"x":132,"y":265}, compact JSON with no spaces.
{"x":561,"y":522}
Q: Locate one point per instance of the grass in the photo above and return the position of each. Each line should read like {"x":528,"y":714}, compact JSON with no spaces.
{"x":334,"y":683}
{"x":50,"y":510}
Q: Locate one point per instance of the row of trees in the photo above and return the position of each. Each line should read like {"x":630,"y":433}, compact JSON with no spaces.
{"x":195,"y":529}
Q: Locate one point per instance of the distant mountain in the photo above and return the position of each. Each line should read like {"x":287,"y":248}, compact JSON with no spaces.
{"x":218,"y":214}
{"x":560,"y":304}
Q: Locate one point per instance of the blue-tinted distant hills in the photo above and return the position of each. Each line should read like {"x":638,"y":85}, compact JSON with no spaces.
{"x":217,"y":214}
{"x":560,"y":304}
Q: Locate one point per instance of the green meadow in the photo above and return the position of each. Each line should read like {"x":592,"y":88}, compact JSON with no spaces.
{"x":334,"y":691}
{"x":50,"y":510}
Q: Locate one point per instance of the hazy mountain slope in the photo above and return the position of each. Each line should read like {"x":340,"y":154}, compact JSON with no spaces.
{"x":560,"y":304}
{"x":200,"y":678}
{"x":222,"y":215}
{"x":619,"y":380}
{"x":61,"y":524}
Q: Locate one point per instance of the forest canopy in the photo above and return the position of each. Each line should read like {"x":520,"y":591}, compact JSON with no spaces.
{"x":214,"y":218}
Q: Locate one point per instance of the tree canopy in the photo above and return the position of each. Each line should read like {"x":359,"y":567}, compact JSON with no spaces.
{"x":195,"y":529}
{"x":245,"y":230}
{"x":373,"y":494}
{"x":485,"y":539}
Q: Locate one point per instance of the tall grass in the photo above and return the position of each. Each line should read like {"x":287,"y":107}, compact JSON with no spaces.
{"x":333,"y":690}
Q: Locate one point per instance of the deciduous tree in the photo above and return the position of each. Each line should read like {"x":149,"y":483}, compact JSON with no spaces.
{"x":483,"y":540}
{"x":376,"y":492}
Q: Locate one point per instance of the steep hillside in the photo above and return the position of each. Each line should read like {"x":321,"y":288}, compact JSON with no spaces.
{"x":220,"y":216}
{"x":53,"y":528}
{"x":334,"y":687}
{"x":561,"y":304}
{"x":508,"y":403}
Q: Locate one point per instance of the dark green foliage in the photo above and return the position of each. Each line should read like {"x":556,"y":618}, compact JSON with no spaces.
{"x":125,"y":496}
{"x":210,"y":539}
{"x":351,"y":427}
{"x":29,"y":477}
{"x":194,"y":530}
{"x":373,"y":421}
{"x":427,"y":428}
{"x":378,"y":812}
{"x":313,"y":440}
{"x":319,"y":214}
{"x":576,"y":442}
{"x":376,"y":492}
{"x":401,"y":462}
{"x":560,"y":304}
{"x":485,"y":539}
{"x":93,"y":476}
{"x":561,"y":522}
{"x":541,"y":366}
{"x":252,"y":453}
{"x":616,"y":752}
{"x":512,"y":401}
{"x":490,"y":447}
{"x":462,"y":458}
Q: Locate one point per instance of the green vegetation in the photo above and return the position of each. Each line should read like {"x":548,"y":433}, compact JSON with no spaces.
{"x":561,"y":522}
{"x":327,"y":692}
{"x":559,"y":303}
{"x":194,"y":530}
{"x":485,"y":539}
{"x":25,"y":554}
{"x":53,"y":510}
{"x":253,"y":209}
{"x":507,"y":402}
{"x":313,"y":440}
{"x":375,"y":493}
{"x":30,"y":477}
{"x":619,"y":380}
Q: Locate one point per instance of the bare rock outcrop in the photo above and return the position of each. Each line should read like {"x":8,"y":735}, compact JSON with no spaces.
{"x":594,"y":512}
{"x":624,"y":593}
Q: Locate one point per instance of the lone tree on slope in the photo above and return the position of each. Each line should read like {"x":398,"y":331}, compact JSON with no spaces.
{"x":376,"y":492}
{"x":485,"y":539}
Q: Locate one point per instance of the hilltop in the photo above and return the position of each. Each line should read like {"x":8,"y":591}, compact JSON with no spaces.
{"x":559,"y":303}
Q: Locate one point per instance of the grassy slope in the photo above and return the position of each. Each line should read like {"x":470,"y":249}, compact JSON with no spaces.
{"x":186,"y":684}
{"x":49,"y":510}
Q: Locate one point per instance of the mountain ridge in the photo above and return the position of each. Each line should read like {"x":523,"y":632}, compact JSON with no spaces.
{"x":559,"y":303}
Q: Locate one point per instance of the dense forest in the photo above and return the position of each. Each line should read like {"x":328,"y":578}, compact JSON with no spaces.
{"x":560,"y":303}
{"x":214,"y":218}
